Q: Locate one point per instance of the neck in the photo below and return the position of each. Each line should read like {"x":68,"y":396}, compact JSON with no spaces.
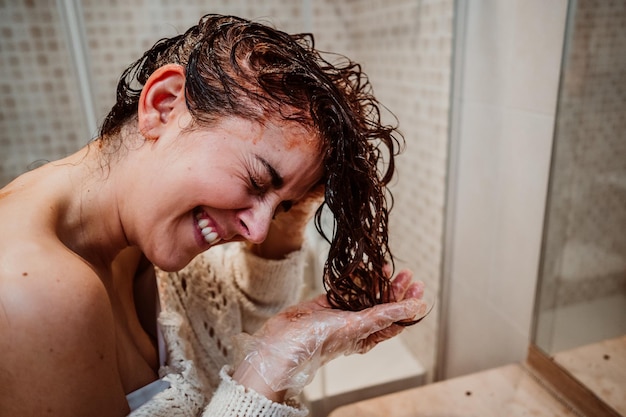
{"x":88,"y":215}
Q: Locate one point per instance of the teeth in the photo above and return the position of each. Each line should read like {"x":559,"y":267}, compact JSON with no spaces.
{"x":210,"y":235}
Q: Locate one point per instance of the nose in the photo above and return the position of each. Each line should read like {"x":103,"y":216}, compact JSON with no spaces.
{"x":255,"y":221}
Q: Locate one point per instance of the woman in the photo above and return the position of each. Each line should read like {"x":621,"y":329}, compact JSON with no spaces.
{"x":231,"y":132}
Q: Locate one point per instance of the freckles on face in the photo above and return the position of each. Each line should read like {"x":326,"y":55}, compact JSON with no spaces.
{"x":299,"y":158}
{"x":220,"y":172}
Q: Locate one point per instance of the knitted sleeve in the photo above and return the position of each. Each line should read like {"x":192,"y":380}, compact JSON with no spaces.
{"x":232,"y":399}
{"x":223,"y":292}
{"x":264,"y":287}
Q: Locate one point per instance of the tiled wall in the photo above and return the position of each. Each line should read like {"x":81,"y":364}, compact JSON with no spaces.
{"x":119,"y":32}
{"x":585,"y":252}
{"x":586,"y":245}
{"x":404,"y":46}
{"x":41,"y":115}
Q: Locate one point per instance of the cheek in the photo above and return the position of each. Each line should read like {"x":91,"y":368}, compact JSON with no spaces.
{"x":226,"y":195}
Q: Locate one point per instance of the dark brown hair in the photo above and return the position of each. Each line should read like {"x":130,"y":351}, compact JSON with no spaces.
{"x":235,"y":67}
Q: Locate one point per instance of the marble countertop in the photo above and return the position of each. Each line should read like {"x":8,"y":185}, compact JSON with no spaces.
{"x":602,"y":368}
{"x":505,"y":391}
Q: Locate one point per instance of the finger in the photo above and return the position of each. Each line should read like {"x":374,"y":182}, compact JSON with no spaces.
{"x":415,"y":290}
{"x":382,"y":316}
{"x":405,"y":273}
{"x":387,"y":269}
{"x":385,"y":334}
{"x":400,"y":284}
{"x":372,"y":340}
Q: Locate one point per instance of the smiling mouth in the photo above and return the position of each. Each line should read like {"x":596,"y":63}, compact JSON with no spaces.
{"x":210,"y":235}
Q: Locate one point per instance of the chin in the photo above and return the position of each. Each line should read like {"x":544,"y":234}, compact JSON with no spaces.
{"x":172,"y":263}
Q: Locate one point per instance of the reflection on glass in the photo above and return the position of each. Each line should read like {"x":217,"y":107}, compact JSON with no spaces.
{"x":581,"y":319}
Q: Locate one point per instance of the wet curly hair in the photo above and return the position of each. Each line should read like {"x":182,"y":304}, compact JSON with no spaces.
{"x":237,"y":67}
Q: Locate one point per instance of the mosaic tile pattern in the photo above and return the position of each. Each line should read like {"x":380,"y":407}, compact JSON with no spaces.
{"x":118,"y":35}
{"x":586,"y":248}
{"x":404,"y":46}
{"x":41,"y":114}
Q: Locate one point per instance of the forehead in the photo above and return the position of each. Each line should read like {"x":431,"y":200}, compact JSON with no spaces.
{"x":289,"y":146}
{"x":297,"y":135}
{"x":278,"y":136}
{"x":292,"y":139}
{"x":296,"y":152}
{"x":288,"y":134}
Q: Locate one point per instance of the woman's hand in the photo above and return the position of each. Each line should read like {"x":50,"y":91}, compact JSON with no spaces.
{"x":284,"y":355}
{"x":287,"y":230}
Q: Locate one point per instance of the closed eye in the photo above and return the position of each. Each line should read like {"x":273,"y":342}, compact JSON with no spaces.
{"x":261,"y":182}
{"x":257,"y":184}
{"x":254,"y":182}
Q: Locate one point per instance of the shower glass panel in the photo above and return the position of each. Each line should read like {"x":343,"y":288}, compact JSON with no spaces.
{"x":581,"y":303}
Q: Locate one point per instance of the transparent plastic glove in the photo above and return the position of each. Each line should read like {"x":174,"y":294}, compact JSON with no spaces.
{"x":289,"y":349}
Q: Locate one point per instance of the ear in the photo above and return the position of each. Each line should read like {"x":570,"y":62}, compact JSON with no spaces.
{"x":162,"y":99}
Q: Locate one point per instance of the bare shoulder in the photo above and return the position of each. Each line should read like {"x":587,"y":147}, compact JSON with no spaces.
{"x":56,"y":334}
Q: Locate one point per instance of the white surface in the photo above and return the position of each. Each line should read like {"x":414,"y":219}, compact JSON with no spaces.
{"x":596,"y":317}
{"x":506,"y":98}
{"x":388,"y":362}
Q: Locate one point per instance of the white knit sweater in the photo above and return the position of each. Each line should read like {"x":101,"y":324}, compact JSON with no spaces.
{"x":223,"y":292}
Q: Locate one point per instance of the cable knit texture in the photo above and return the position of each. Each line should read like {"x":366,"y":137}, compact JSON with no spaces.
{"x":223,"y":292}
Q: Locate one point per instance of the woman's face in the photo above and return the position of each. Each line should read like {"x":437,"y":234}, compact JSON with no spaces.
{"x":208,"y":186}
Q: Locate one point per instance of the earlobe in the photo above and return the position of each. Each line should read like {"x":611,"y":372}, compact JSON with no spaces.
{"x":161,"y":99}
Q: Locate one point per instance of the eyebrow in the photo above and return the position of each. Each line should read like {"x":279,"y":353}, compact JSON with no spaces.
{"x":277,"y":179}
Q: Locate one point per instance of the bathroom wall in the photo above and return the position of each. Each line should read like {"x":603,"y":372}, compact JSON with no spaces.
{"x":404,"y":46}
{"x":41,"y":115}
{"x":119,"y":32}
{"x":585,"y":251}
{"x":587,"y":245}
{"x":47,"y":46}
{"x":506,"y":78}
{"x":504,"y":98}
